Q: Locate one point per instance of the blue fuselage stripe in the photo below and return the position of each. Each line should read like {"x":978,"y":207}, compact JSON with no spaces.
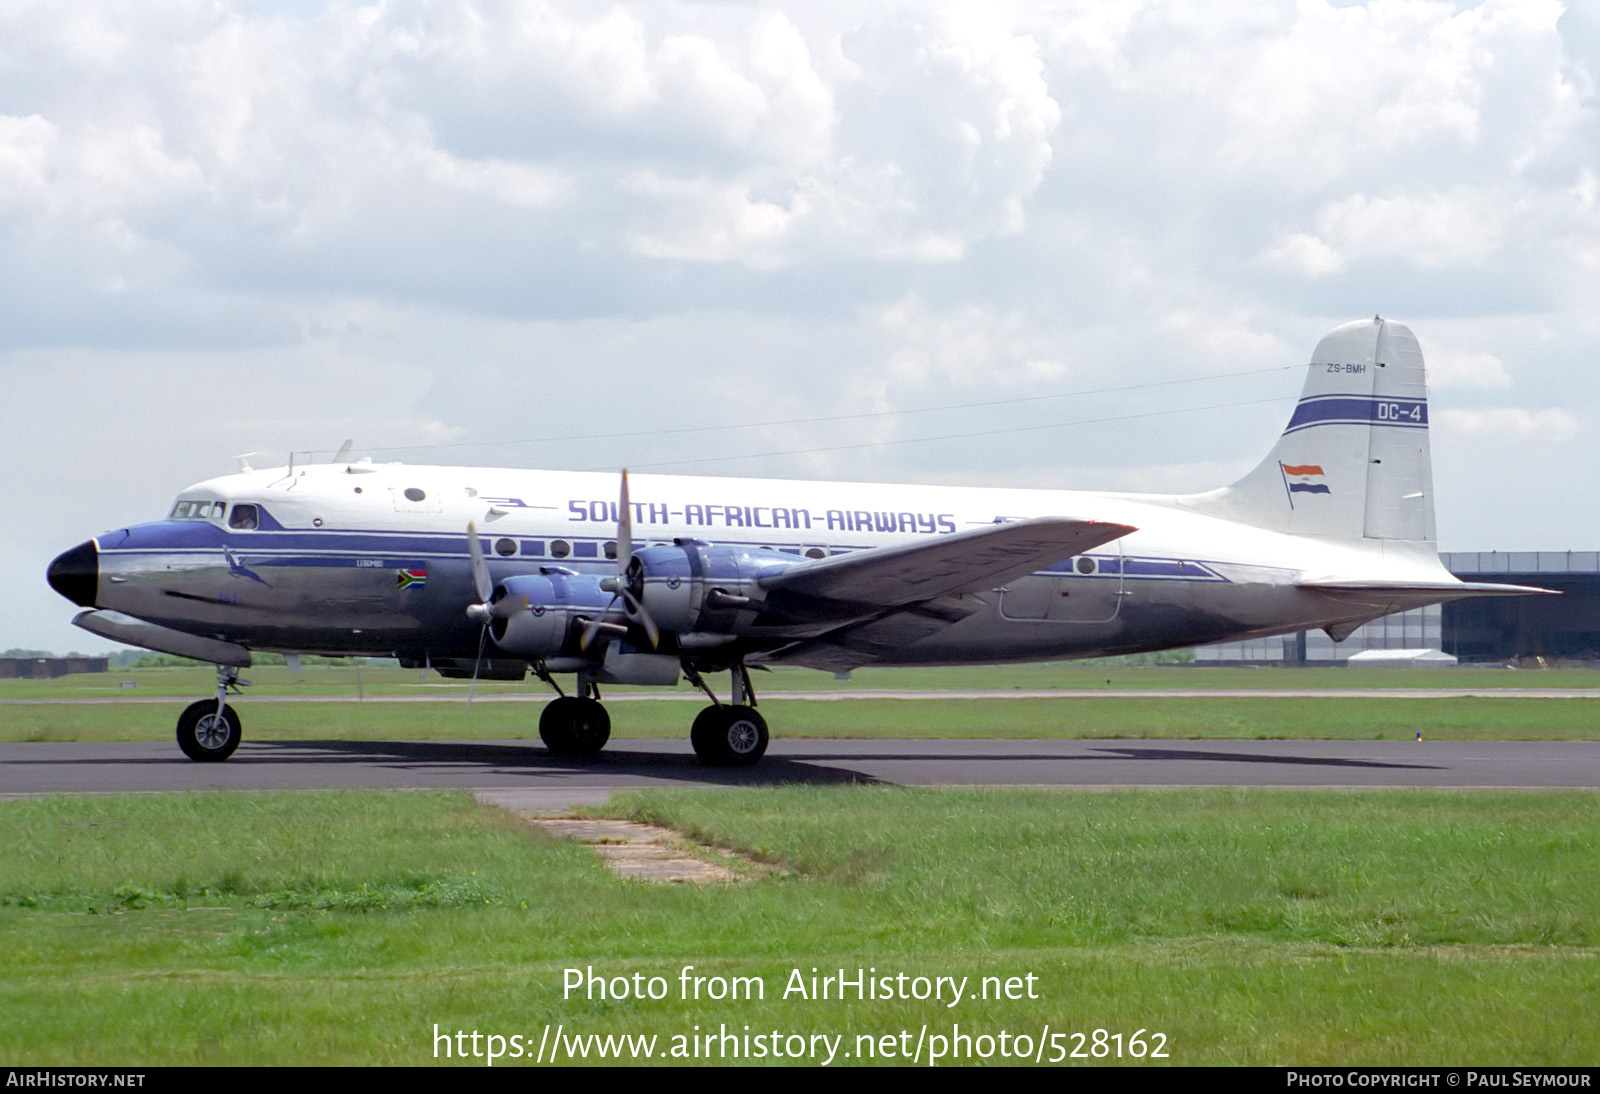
{"x":1358,"y":410}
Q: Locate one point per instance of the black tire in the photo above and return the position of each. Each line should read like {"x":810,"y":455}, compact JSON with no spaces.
{"x":570,"y":726}
{"x":204,"y":737}
{"x":730,"y":736}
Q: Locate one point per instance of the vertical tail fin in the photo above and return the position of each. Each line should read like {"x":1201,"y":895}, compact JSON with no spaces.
{"x":1353,"y":461}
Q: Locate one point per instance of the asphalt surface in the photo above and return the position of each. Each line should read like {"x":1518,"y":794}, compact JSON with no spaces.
{"x":523,"y":773}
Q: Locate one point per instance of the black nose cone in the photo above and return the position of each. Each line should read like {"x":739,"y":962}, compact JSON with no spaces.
{"x":76,"y":574}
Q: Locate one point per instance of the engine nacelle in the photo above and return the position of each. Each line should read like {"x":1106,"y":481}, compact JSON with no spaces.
{"x":690,"y":588}
{"x":694,"y":586}
{"x":546,"y":629}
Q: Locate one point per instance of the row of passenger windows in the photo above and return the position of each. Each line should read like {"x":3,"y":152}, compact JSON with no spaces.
{"x":560,"y":548}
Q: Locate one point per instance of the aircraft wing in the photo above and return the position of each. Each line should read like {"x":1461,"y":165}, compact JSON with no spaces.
{"x":962,"y":562}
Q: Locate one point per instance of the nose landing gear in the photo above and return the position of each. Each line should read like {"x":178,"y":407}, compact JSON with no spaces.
{"x":209,"y":730}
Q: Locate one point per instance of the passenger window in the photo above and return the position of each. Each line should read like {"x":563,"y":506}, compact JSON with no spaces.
{"x":245,"y":518}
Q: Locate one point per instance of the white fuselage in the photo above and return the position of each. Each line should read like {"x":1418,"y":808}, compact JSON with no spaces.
{"x":320,"y":569}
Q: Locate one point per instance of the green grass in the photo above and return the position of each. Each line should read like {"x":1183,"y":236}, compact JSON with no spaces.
{"x":1250,"y":927}
{"x":1464,"y":718}
{"x":346,"y":681}
{"x":329,"y":705}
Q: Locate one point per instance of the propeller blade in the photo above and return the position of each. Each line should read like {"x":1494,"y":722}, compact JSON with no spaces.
{"x":476,"y":665}
{"x":624,"y":529}
{"x":480,"y":568}
{"x":637,"y":613}
{"x":592,"y":627}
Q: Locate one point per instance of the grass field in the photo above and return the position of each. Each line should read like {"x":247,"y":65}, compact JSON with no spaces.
{"x":1243,"y":927}
{"x":330,"y":703}
{"x":1246,"y":927}
{"x":374,"y":680}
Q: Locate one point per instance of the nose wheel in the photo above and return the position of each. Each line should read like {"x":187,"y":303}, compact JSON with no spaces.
{"x":209,"y":731}
{"x":207,"y":735}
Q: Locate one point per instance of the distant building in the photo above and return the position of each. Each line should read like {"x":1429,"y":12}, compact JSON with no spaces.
{"x":1479,"y":630}
{"x":48,"y":668}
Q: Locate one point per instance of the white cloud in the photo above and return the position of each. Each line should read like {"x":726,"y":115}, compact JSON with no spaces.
{"x":960,"y":347}
{"x":1305,"y":254}
{"x":1470,"y":368}
{"x":1550,"y":426}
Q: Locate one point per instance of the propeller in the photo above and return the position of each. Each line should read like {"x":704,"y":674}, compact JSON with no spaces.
{"x":487,"y":609}
{"x":618,"y":585}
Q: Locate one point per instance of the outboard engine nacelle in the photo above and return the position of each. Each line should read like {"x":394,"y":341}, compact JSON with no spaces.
{"x":554,"y":600}
{"x":694,"y":586}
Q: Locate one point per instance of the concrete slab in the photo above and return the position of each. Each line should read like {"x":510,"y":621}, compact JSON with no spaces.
{"x":635,"y":851}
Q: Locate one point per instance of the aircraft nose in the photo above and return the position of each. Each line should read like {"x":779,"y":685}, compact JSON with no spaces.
{"x":76,"y":574}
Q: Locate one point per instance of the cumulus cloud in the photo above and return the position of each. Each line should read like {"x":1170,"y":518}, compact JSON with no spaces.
{"x":1507,"y":423}
{"x":959,"y":347}
{"x":1471,"y":368}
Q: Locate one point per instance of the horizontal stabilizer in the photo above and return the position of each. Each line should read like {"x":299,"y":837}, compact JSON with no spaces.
{"x":1399,"y":596}
{"x":963,"y":562}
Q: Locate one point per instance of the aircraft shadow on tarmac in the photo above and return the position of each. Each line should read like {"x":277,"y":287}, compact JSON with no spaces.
{"x":533,"y":759}
{"x":1246,"y":758}
{"x":1125,"y":754}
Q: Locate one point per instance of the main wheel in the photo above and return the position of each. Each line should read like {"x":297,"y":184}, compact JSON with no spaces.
{"x":205,"y":737}
{"x":730,"y":736}
{"x":571,"y":726}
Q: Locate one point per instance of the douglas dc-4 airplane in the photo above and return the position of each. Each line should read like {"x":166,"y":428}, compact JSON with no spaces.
{"x":680,"y":576}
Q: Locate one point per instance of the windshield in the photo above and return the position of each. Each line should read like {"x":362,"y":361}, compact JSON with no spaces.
{"x":197,"y":509}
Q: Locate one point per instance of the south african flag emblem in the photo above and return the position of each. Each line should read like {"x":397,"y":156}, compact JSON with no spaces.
{"x":407,"y":578}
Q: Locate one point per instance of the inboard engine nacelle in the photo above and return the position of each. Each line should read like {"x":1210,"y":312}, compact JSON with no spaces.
{"x":692,"y":590}
{"x":549,"y":606}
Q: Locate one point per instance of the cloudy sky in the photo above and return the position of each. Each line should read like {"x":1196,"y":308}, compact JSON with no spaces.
{"x":540,"y":234}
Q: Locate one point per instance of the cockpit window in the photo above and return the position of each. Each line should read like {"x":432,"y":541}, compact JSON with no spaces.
{"x":192,"y":509}
{"x":244,"y":517}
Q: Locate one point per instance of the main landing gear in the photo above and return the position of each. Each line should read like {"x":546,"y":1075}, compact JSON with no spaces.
{"x":731,"y":735}
{"x":209,"y":731}
{"x":724,"y":734}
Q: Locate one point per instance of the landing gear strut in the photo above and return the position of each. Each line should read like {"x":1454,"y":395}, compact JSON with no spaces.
{"x":731,"y":735}
{"x":724,"y":734}
{"x":209,"y":730}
